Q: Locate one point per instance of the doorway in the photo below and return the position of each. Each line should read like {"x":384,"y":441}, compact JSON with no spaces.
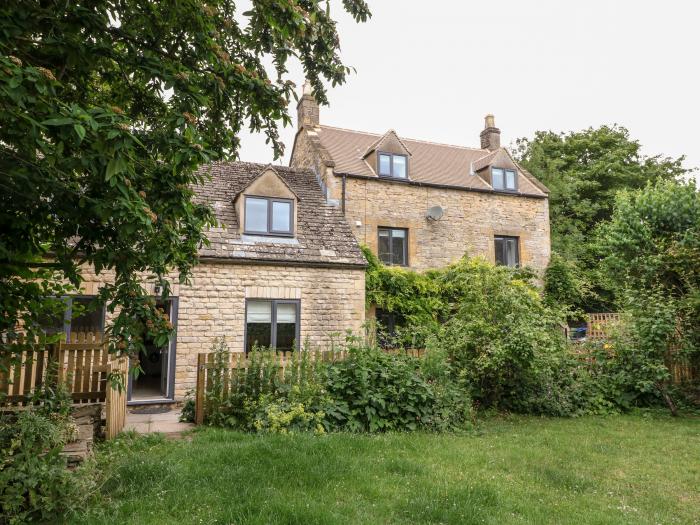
{"x":156,"y":380}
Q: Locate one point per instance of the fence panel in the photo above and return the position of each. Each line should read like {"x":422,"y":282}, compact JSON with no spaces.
{"x":82,"y":363}
{"x":115,"y":403}
{"x":600,"y":324}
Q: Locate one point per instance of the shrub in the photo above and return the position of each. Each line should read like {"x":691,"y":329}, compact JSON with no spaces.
{"x":35,"y":483}
{"x":501,"y":337}
{"x":187,"y":414}
{"x":376,"y":391}
{"x":248,"y":389}
{"x":282,"y":416}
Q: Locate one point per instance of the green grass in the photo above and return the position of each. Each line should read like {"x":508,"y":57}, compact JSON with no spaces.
{"x":625,"y":469}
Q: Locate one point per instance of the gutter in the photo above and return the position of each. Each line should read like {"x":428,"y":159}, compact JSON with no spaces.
{"x":281,"y":262}
{"x":440,"y":186}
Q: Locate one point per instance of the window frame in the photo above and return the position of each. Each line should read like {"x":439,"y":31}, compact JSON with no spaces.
{"x":68,"y":313}
{"x":405,"y":247}
{"x":273,"y":321}
{"x":517,"y":250}
{"x":505,"y":179}
{"x":391,"y":165}
{"x":270,"y":231}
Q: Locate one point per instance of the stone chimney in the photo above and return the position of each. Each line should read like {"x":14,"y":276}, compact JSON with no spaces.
{"x":307,"y":108}
{"x":491,"y":135}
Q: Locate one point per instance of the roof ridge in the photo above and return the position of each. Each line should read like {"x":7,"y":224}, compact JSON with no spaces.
{"x":405,"y":138}
{"x":263,"y":165}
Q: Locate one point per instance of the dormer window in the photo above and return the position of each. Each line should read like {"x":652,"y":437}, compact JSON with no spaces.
{"x":269,"y":216}
{"x":503,"y":179}
{"x":392,"y":165}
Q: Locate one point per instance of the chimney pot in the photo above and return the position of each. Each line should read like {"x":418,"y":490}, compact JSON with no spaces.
{"x":490,"y":121}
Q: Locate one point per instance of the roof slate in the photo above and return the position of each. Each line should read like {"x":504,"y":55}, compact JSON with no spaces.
{"x":430,"y":162}
{"x":323,"y":236}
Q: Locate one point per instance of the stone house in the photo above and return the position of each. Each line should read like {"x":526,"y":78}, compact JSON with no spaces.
{"x":424,"y":205}
{"x":282,"y":269}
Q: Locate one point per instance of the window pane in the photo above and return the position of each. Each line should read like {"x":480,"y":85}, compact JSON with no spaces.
{"x":55,"y":323}
{"x":259,"y":312}
{"x":510,"y":179}
{"x":511,"y":255}
{"x":286,"y":326}
{"x":497,"y":178}
{"x":258,"y":334}
{"x":255,"y":215}
{"x":286,"y":313}
{"x":91,"y":318}
{"x":498,"y":243}
{"x":384,"y":246}
{"x":281,"y":215}
{"x":384,"y":164}
{"x":398,"y":246}
{"x":399,"y":166}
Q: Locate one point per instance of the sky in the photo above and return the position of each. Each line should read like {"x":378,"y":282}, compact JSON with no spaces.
{"x":433,"y":70}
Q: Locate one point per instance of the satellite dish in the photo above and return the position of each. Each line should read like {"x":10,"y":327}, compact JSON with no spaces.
{"x":435,"y":213}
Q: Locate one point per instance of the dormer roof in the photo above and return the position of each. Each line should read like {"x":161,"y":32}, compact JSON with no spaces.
{"x":267,"y":169}
{"x":377,"y":144}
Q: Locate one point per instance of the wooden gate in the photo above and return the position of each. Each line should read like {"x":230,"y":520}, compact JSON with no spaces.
{"x":83,"y":364}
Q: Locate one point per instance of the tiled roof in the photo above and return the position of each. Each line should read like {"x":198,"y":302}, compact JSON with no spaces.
{"x":323,"y":235}
{"x":430,"y":162}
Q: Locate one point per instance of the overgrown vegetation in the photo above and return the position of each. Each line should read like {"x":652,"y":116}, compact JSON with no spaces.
{"x":35,"y":484}
{"x":367,"y":390}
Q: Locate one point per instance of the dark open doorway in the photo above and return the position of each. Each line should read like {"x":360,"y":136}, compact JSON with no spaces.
{"x":156,"y":380}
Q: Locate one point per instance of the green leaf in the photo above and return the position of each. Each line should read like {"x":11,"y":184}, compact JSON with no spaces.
{"x":63,"y":121}
{"x":115,"y":166}
{"x":80,"y":130}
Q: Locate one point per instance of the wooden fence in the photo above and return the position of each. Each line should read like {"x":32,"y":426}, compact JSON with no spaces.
{"x":237,"y":362}
{"x":602,"y":325}
{"x":83,"y":364}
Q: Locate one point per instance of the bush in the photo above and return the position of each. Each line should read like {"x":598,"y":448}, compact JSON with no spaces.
{"x":35,"y":484}
{"x":502,"y":337}
{"x":369,"y":390}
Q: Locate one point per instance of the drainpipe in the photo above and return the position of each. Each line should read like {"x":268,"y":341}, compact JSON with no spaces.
{"x":342,"y":201}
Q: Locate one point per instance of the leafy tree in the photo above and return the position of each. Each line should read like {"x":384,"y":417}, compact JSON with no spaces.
{"x":584,"y":171}
{"x":653,"y":247}
{"x":108,"y":109}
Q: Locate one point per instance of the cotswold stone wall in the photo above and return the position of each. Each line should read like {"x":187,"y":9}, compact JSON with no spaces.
{"x":470,"y":222}
{"x":213,"y":305}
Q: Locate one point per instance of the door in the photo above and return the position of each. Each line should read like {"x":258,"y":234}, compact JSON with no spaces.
{"x":156,"y":381}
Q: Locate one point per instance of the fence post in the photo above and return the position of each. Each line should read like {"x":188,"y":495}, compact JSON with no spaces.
{"x":199,"y":398}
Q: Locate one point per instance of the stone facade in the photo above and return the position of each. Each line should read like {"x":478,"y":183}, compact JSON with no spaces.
{"x":470,"y":222}
{"x":332,"y":300}
{"x":468,"y":226}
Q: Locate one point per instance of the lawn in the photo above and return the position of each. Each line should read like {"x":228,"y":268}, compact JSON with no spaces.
{"x":624,"y":469}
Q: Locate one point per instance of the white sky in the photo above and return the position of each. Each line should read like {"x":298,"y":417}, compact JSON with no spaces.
{"x":432,"y":70}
